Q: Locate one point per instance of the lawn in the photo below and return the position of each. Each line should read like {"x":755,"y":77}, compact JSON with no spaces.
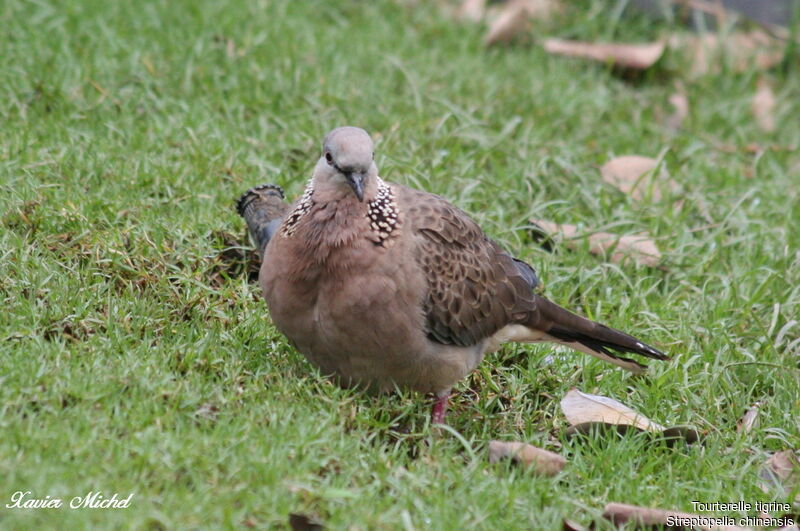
{"x":137,"y":354}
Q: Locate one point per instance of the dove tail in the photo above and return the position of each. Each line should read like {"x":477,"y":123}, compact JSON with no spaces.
{"x":590,"y":337}
{"x":263,"y":208}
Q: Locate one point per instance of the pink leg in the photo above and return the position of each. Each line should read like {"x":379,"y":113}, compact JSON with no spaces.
{"x":439,"y":408}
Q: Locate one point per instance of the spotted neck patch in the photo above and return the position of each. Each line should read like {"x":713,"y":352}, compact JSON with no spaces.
{"x":383,"y":213}
{"x":300,"y":210}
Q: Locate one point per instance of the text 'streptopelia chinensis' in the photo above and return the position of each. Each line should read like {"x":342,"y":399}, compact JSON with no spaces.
{"x":380,"y":285}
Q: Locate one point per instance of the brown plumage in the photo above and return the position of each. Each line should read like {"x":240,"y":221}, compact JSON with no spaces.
{"x":381,"y":285}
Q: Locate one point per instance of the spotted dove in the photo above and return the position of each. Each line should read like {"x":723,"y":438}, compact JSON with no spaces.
{"x":384,"y":286}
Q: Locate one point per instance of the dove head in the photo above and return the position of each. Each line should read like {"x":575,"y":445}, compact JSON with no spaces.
{"x":347,"y":162}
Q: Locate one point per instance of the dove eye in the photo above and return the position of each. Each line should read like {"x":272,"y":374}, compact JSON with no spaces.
{"x":329,"y":158}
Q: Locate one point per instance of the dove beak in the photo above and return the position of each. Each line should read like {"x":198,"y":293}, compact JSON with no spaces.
{"x":356,"y":182}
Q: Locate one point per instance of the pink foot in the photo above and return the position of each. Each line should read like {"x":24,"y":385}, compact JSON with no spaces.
{"x":439,"y":408}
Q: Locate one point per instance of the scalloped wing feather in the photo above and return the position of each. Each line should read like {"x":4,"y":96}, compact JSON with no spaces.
{"x":475,"y":288}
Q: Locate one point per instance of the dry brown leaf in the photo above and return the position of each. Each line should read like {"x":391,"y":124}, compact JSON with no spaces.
{"x":639,"y":248}
{"x":207,"y":411}
{"x":250,"y":523}
{"x":542,"y":461}
{"x":570,"y":525}
{"x":748,"y":420}
{"x":685,"y":433}
{"x":763,"y":105}
{"x":670,"y":435}
{"x":512,"y":21}
{"x":586,"y":413}
{"x":630,"y":174}
{"x":781,"y":471}
{"x":634,"y":56}
{"x":589,"y":428}
{"x":473,"y":10}
{"x":680,"y":104}
{"x":620,"y":513}
{"x":740,"y":51}
{"x":580,"y":408}
{"x":303,"y":522}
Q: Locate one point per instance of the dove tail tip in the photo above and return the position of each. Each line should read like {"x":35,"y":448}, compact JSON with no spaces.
{"x":245,"y":198}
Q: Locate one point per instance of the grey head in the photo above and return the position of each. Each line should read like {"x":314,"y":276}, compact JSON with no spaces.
{"x":347,"y":158}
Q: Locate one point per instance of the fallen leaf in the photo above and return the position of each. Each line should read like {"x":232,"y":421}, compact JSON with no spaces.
{"x":763,"y":106}
{"x":740,"y":51}
{"x":680,"y":104}
{"x":542,"y":461}
{"x":587,"y":413}
{"x":782,"y":472}
{"x":620,"y":513}
{"x":473,"y":10}
{"x":640,"y":248}
{"x":570,"y":525}
{"x":670,"y":435}
{"x":207,"y":411}
{"x":634,"y":56}
{"x":303,"y":522}
{"x":588,"y":428}
{"x":512,"y":21}
{"x":632,"y":174}
{"x":748,"y":420}
{"x":580,"y":408}
{"x":684,"y":433}
{"x":514,"y":18}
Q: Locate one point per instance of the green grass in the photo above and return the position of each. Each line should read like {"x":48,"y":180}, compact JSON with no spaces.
{"x":138,"y":357}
